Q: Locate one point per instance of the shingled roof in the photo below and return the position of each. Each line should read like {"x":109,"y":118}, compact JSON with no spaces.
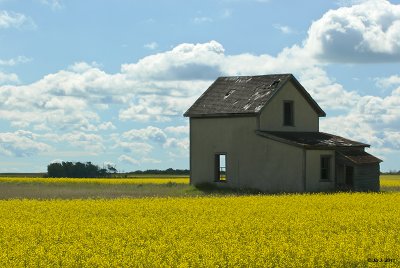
{"x":348,"y":149}
{"x":313,"y":140}
{"x":359,"y":157}
{"x":244,"y":95}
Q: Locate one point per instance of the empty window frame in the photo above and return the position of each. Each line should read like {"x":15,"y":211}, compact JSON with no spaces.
{"x":349,"y":176}
{"x":220,"y":167}
{"x":288,"y":113}
{"x":325,"y":167}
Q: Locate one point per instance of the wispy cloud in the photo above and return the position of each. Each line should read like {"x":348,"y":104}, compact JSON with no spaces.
{"x":132,"y":161}
{"x":259,"y":1}
{"x":226,"y":13}
{"x":53,"y":4}
{"x":151,"y":46}
{"x":15,"y":61}
{"x":201,"y":20}
{"x":284,"y":29}
{"x":10,"y":19}
{"x":349,"y":2}
{"x":128,"y":160}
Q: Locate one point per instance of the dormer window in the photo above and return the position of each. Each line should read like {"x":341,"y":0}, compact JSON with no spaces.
{"x":288,"y":113}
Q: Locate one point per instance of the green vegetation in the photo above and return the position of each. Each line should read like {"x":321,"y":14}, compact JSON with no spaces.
{"x":78,"y":170}
{"x":168,"y":171}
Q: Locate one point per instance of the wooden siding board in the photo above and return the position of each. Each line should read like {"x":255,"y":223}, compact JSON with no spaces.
{"x":366,"y":177}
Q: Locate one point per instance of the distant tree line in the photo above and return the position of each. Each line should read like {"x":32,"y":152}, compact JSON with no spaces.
{"x":391,"y":172}
{"x":168,"y":171}
{"x":78,"y":170}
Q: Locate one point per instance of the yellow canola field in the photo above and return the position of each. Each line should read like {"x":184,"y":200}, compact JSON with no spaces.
{"x":386,"y":181}
{"x":180,"y":180}
{"x":310,"y":230}
{"x":390,"y":182}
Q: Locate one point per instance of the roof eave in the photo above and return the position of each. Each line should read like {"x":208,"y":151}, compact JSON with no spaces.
{"x":220,"y":115}
{"x":378,"y":160}
{"x":186,"y":114}
{"x":306,"y":146}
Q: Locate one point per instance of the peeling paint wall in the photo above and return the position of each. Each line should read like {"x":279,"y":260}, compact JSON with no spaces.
{"x":252,"y":161}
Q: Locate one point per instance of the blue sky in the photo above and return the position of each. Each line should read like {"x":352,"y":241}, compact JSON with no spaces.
{"x":108,"y":81}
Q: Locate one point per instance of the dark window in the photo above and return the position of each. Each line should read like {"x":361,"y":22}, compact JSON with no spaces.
{"x":220,"y":167}
{"x":325,"y":167}
{"x":288,"y":114}
{"x":349,"y":175}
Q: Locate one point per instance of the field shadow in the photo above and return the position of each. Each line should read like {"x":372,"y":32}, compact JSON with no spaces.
{"x":211,"y":189}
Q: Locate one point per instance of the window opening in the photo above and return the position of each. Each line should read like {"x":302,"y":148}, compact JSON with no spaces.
{"x":325,"y":167}
{"x":220,"y":167}
{"x":349,"y":175}
{"x":288,"y":113}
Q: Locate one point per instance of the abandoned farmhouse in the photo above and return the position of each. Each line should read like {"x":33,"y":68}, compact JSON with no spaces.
{"x":262,"y":132}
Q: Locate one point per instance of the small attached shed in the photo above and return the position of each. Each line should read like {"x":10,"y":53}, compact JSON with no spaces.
{"x":357,"y":170}
{"x":353,"y":168}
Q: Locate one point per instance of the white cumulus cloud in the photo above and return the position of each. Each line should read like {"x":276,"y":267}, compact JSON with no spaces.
{"x":134,"y":147}
{"x":365,"y":32}
{"x":184,"y":62}
{"x":150,"y":133}
{"x":7,"y":78}
{"x":128,"y":160}
{"x":178,"y":130}
{"x":386,"y":82}
{"x":21,"y":143}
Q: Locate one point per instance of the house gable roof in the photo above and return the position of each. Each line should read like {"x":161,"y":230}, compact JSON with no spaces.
{"x":311,"y":140}
{"x":244,"y":95}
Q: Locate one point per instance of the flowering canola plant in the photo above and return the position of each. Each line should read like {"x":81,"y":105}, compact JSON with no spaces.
{"x":308,"y":230}
{"x":387,"y":181}
{"x":390,"y":183}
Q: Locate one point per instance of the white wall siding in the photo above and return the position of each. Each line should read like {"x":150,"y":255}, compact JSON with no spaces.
{"x":313,"y":171}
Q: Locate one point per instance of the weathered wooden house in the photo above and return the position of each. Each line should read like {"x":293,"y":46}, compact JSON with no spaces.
{"x":262,"y":132}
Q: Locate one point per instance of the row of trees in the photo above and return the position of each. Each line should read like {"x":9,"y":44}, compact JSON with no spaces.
{"x":168,"y":171}
{"x":78,"y":170}
{"x":391,"y":172}
{"x":89,"y":170}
